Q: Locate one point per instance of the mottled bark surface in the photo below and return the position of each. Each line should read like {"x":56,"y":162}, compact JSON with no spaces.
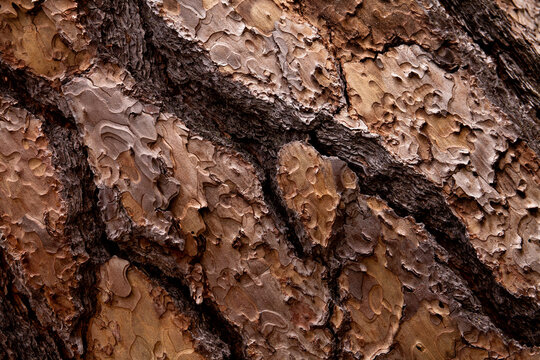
{"x":269,"y":179}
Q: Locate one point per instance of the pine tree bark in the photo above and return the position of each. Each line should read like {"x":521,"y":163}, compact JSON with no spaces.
{"x":269,"y":179}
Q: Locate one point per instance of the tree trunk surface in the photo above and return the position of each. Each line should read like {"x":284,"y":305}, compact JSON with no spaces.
{"x":270,"y":179}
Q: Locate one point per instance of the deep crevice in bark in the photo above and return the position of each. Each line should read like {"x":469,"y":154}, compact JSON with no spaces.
{"x":398,"y":186}
{"x":18,"y":321}
{"x":486,"y":24}
{"x":207,"y":312}
{"x":84,"y":226}
{"x":517,"y":63}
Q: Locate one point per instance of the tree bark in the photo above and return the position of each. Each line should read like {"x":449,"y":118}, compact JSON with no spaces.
{"x":269,"y":179}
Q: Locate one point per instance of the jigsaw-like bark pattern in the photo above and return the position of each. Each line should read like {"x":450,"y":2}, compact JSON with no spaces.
{"x":446,"y":127}
{"x":46,"y":38}
{"x":36,"y":246}
{"x":135,"y":319}
{"x":269,"y":179}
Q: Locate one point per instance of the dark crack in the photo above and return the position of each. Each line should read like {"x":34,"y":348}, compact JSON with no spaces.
{"x":18,"y":321}
{"x":517,"y":62}
{"x":83,"y":225}
{"x":209,"y":318}
{"x":409,"y":193}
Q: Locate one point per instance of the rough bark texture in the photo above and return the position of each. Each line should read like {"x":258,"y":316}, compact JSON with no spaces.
{"x":269,"y":179}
